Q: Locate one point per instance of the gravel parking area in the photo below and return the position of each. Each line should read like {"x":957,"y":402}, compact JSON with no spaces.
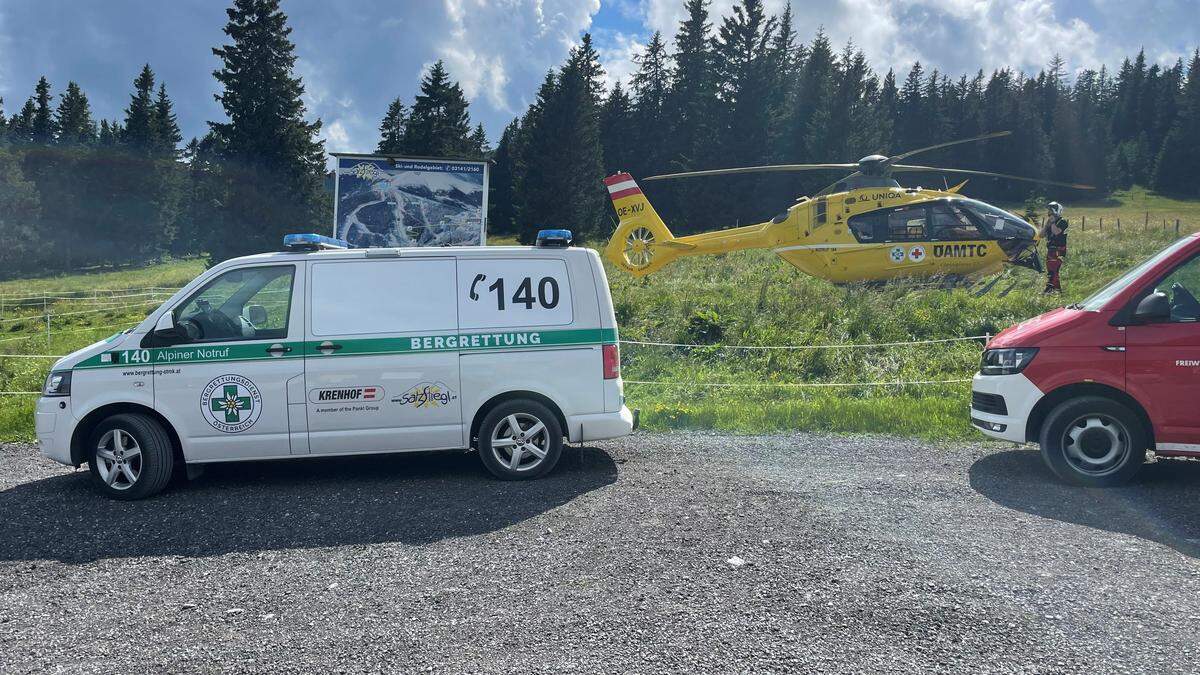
{"x":673,"y":552}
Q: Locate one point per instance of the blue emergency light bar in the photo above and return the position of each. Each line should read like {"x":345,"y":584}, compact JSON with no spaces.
{"x":313,"y":242}
{"x":554,"y":238}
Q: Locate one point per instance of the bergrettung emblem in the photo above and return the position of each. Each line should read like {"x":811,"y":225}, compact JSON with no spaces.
{"x":231,"y":403}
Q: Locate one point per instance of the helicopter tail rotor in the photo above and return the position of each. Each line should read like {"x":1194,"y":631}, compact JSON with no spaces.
{"x":641,"y":243}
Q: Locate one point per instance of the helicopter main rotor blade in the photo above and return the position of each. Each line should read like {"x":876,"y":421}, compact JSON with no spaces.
{"x":969,"y":172}
{"x":904,"y":155}
{"x":753,"y":169}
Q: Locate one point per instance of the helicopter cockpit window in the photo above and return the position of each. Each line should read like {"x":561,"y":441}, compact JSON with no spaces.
{"x":948,"y":223}
{"x":996,"y":222}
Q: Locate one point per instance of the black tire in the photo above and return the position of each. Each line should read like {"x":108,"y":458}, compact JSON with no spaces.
{"x":152,"y":466}
{"x":549,"y":440}
{"x":1093,"y":441}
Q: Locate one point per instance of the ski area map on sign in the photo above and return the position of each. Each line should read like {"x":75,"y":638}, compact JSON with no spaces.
{"x":386,"y":202}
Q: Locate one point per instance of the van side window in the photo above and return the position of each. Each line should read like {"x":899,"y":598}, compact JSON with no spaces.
{"x":250,"y":303}
{"x":1182,"y":287}
{"x":360,"y":297}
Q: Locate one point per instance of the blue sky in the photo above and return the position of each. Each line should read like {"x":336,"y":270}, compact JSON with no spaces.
{"x":356,"y":56}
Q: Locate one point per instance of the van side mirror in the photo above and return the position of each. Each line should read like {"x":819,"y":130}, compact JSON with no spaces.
{"x":256,"y":314}
{"x":1153,"y":308}
{"x":166,"y":332}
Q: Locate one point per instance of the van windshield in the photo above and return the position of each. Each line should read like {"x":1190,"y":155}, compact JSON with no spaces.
{"x":1101,"y":297}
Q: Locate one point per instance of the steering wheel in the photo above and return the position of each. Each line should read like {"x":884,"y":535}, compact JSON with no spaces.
{"x":1183,"y":304}
{"x":211,"y":323}
{"x":192,"y":328}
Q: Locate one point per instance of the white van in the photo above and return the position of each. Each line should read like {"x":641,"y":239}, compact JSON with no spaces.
{"x":324,"y":350}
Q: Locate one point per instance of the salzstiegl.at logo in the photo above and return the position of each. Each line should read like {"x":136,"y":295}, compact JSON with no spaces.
{"x":231,"y":403}
{"x":427,"y":395}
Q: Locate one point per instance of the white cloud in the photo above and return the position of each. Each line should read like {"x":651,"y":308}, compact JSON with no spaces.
{"x":959,"y":36}
{"x":493,"y":45}
{"x":617,"y":51}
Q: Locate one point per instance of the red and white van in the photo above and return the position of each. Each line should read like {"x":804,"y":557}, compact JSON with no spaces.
{"x":1098,"y":383}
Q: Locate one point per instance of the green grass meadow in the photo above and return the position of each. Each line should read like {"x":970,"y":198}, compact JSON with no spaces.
{"x":745,"y":298}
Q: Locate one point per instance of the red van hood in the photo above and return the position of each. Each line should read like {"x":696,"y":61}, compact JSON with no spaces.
{"x":1036,"y":331}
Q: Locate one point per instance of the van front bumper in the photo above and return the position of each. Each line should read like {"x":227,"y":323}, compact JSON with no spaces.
{"x":53,"y":423}
{"x":1016,"y":393}
{"x":601,"y":426}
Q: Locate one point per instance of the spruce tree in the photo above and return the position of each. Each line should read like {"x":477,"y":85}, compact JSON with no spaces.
{"x":74,"y":118}
{"x":812,"y":93}
{"x":744,"y":71}
{"x":787,"y":57}
{"x":912,"y":116}
{"x":167,"y":136}
{"x":140,"y":128}
{"x":439,"y":124}
{"x":692,"y":143}
{"x":109,"y":135}
{"x":271,"y":159}
{"x":391,"y":129}
{"x":650,"y":118}
{"x":562,"y":184}
{"x":478,"y":143}
{"x":504,"y":181}
{"x":41,"y":128}
{"x":20,"y":126}
{"x":1178,"y":163}
{"x":618,"y":131}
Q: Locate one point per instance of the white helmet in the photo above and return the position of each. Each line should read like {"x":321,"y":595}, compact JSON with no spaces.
{"x":1055,"y":208}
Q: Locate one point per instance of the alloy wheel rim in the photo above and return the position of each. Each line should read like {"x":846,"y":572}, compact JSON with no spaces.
{"x":520,"y":442}
{"x":1096,"y":444}
{"x":118,"y":459}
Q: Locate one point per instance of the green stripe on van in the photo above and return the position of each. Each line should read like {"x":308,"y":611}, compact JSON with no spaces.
{"x":446,"y":342}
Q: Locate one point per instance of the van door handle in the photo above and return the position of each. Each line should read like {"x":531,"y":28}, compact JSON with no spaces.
{"x":1113,"y":348}
{"x":278,"y":349}
{"x":328,"y":347}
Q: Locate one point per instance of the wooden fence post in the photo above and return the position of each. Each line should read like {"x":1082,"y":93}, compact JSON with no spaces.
{"x":1176,"y":227}
{"x":1118,"y":223}
{"x":1147,"y":226}
{"x":1101,"y":223}
{"x":1083,"y":225}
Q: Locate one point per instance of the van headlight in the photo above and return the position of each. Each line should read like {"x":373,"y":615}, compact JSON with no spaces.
{"x":1006,"y":361}
{"x":58,"y":383}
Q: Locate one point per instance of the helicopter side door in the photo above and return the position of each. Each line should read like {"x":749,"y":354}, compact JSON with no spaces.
{"x":892,"y":242}
{"x":956,"y":243}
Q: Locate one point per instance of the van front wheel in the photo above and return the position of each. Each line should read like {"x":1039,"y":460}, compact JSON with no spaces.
{"x":519,"y":440}
{"x":130,"y":457}
{"x":1093,"y":441}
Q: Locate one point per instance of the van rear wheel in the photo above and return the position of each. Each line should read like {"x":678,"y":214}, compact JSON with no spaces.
{"x":520,"y":440}
{"x":130,"y":457}
{"x":1093,"y":441}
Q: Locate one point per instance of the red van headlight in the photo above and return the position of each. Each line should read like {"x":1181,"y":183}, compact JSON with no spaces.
{"x":1006,"y":361}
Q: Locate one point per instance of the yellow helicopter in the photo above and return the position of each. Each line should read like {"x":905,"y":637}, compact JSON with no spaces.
{"x":864,"y":227}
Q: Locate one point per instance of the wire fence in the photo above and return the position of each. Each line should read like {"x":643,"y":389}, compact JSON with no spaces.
{"x":134,"y":299}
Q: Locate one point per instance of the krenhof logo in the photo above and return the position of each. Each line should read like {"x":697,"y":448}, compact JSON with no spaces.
{"x":339,"y":394}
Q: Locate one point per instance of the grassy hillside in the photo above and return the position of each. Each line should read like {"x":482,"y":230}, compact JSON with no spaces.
{"x":747,"y":298}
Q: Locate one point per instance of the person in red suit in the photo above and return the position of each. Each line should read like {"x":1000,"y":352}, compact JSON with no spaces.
{"x":1055,"y":234}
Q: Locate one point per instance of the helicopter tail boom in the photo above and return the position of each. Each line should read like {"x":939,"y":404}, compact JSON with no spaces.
{"x":642,"y":243}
